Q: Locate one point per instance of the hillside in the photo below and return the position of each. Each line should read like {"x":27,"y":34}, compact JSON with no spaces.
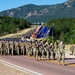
{"x":10,"y":25}
{"x":20,"y":33}
{"x":42,"y":13}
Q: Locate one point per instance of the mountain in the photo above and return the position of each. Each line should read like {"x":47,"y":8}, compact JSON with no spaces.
{"x":42,"y":13}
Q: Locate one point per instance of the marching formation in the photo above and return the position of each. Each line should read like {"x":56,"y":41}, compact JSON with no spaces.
{"x":40,"y":50}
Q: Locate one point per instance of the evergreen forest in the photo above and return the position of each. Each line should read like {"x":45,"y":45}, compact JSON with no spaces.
{"x":12,"y":25}
{"x":64,"y":29}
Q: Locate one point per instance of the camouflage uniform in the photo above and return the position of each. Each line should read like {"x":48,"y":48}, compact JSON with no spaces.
{"x":61,"y":52}
{"x":72,"y":48}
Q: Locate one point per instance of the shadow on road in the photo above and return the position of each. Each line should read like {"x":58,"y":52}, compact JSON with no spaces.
{"x":69,"y":58}
{"x":70,"y":61}
{"x":70,"y":64}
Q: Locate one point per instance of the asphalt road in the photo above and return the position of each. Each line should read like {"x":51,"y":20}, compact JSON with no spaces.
{"x":42,"y":67}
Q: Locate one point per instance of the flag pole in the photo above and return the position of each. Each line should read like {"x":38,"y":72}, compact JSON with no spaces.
{"x":52,"y":34}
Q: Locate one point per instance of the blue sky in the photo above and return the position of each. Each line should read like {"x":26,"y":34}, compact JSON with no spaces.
{"x":9,"y":4}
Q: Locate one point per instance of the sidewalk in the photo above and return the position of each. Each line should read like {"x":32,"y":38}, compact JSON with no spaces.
{"x":67,"y":55}
{"x":69,"y":59}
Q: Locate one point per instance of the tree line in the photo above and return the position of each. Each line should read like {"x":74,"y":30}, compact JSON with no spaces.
{"x":64,"y":29}
{"x":12,"y":25}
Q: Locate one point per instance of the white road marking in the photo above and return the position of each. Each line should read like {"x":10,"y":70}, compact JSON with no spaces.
{"x":19,"y":68}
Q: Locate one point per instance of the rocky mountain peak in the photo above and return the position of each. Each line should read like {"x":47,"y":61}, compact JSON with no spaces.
{"x":70,"y":1}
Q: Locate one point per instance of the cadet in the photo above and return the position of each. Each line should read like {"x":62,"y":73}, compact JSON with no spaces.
{"x":72,"y":48}
{"x":61,"y":53}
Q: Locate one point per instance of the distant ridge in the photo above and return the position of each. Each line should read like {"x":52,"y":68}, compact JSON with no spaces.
{"x":42,"y":13}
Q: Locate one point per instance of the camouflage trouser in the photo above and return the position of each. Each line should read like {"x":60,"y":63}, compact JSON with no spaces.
{"x":29,"y":52}
{"x":26,"y":51}
{"x":40,"y":53}
{"x":4,"y":51}
{"x":37,"y":53}
{"x":8,"y":51}
{"x":34,"y":52}
{"x":72,"y":51}
{"x":52,"y":54}
{"x":56,"y":54}
{"x":17,"y":51}
{"x":43,"y":54}
{"x":48,"y":54}
{"x":61,"y":56}
{"x":0,"y":51}
{"x":12,"y":50}
{"x":22,"y":50}
{"x":58,"y":57}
